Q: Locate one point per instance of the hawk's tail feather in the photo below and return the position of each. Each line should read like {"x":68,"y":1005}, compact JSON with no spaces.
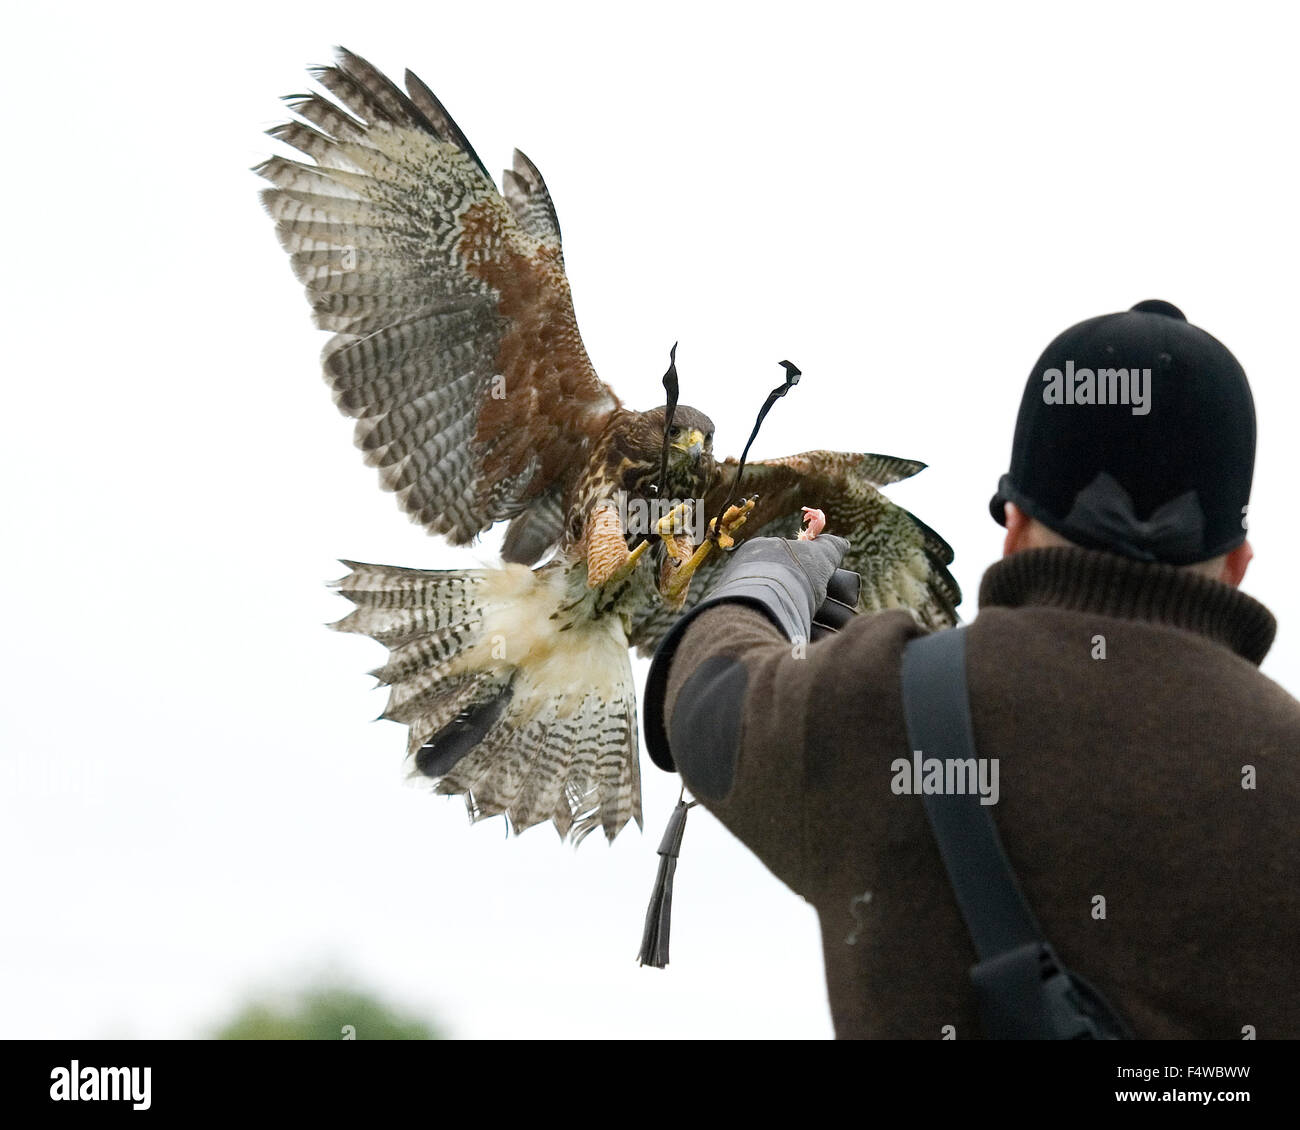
{"x":434,"y":610}
{"x":529,"y":722}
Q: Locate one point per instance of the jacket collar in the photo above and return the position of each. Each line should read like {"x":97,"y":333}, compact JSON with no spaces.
{"x":1084,"y":580}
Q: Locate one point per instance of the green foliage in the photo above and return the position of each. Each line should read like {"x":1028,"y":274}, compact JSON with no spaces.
{"x":329,"y":1012}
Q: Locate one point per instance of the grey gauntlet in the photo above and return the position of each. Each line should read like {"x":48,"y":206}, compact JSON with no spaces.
{"x":798,"y":585}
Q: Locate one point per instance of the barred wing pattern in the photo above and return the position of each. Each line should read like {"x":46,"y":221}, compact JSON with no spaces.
{"x":456,"y":346}
{"x":903,"y":563}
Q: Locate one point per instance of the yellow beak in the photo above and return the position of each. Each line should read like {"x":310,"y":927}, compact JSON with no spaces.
{"x":693,"y":444}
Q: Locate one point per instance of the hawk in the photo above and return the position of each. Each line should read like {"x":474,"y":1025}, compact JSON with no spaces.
{"x":456,"y":350}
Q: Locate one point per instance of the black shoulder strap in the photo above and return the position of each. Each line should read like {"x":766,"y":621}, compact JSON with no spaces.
{"x":1024,"y":991}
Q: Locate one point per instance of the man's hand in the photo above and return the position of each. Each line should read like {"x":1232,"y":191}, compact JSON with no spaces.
{"x":798,"y":584}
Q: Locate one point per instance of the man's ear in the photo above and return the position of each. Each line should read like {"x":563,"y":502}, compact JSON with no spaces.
{"x":1018,"y":525}
{"x":1234,"y":564}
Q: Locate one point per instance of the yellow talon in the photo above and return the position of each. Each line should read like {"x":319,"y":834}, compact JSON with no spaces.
{"x":732,"y":520}
{"x":675,"y":590}
{"x":670,"y":528}
{"x":674,"y":522}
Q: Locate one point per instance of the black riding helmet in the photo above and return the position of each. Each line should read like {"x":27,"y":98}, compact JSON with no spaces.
{"x":1136,"y":435}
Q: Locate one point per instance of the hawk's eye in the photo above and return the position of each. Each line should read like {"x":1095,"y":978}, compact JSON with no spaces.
{"x":676,"y":433}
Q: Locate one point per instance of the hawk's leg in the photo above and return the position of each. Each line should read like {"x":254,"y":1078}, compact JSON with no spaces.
{"x":678,"y":549}
{"x":674,"y":592}
{"x":608,"y":558}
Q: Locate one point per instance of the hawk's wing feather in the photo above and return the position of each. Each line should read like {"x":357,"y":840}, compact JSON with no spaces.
{"x":456,"y":348}
{"x":530,"y":200}
{"x":903,"y":563}
{"x":536,"y":530}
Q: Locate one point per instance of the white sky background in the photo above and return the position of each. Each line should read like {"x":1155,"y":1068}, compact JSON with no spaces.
{"x":909,"y":201}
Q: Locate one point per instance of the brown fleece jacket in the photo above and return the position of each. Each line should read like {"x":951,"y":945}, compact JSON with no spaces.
{"x":1120,"y":777}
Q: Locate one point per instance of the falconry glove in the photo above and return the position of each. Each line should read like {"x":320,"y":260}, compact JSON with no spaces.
{"x":798,"y":585}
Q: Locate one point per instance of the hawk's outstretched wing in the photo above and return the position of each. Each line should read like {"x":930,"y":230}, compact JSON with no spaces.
{"x":456,"y":350}
{"x":456,"y":347}
{"x":902,"y":561}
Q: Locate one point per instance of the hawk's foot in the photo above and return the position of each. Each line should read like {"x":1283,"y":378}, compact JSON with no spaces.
{"x":674,"y":592}
{"x":732,"y":520}
{"x":670,"y":529}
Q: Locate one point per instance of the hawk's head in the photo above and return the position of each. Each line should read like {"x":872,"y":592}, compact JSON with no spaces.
{"x":690,"y":453}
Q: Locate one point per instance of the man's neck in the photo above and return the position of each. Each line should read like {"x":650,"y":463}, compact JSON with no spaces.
{"x":1085,"y":580}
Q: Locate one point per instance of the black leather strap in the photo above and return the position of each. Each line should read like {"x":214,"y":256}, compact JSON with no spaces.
{"x":1022,"y":989}
{"x":937,"y":712}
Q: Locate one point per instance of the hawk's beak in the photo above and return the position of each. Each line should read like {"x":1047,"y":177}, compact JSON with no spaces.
{"x":693,"y":445}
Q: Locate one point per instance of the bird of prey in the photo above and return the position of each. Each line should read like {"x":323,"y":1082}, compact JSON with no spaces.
{"x":456,"y":350}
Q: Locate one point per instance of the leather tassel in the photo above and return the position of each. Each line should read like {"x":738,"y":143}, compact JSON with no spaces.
{"x":658,"y":916}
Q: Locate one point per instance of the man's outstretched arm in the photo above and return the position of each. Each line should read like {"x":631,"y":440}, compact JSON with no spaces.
{"x":761,"y":667}
{"x":786,"y":583}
